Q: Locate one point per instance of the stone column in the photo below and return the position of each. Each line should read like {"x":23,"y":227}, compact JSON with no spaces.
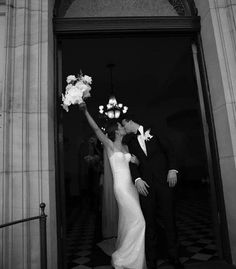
{"x":2,"y":69}
{"x":27,"y":135}
{"x":218,"y":19}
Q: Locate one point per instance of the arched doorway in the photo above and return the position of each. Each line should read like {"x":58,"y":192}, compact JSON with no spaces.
{"x":195,"y":120}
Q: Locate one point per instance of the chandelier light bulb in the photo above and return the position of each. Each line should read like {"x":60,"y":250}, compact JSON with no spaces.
{"x":125,"y":109}
{"x":110,"y":114}
{"x":112,"y":100}
{"x":117,"y":114}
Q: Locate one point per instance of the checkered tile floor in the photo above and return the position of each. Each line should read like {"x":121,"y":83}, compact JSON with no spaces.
{"x":82,"y":251}
{"x":195,"y":232}
{"x":195,"y":235}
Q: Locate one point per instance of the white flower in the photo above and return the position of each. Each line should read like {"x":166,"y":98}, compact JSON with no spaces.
{"x":86,"y":93}
{"x":74,"y":91}
{"x":147,"y":135}
{"x":66,"y":101}
{"x":74,"y":95}
{"x":87,"y":79}
{"x":81,"y":86}
{"x":71,"y":78}
{"x":68,"y":87}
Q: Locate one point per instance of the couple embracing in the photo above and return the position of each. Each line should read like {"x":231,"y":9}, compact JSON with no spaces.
{"x":143,"y":167}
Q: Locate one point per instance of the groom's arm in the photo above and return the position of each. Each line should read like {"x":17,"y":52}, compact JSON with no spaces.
{"x":172,"y":161}
{"x":169,"y":151}
{"x":141,"y":185}
{"x":134,"y":169}
{"x":135,"y":174}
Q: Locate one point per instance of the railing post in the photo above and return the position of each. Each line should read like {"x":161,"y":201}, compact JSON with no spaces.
{"x":43,"y":237}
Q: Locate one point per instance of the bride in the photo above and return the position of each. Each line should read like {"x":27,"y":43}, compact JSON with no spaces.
{"x":130,"y":252}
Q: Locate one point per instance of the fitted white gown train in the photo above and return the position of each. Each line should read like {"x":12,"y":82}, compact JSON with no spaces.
{"x":130,"y":250}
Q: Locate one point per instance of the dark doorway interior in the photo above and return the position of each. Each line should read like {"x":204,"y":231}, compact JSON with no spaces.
{"x":153,"y":76}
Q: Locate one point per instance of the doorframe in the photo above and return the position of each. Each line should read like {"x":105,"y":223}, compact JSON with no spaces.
{"x":174,"y":26}
{"x":59,"y":162}
{"x":90,"y":25}
{"x":213,"y":157}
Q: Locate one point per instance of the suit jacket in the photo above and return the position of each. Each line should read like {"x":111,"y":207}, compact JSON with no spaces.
{"x":159,"y":160}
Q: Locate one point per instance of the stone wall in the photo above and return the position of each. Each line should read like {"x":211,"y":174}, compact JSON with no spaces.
{"x":27,"y":133}
{"x":2,"y":69}
{"x":219,"y":42}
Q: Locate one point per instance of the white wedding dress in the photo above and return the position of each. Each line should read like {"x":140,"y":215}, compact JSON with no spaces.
{"x":130,"y":250}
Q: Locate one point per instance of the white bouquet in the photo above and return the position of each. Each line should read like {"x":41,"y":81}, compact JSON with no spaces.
{"x":77,"y":89}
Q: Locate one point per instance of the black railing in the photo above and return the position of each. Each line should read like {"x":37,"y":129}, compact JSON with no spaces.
{"x":43,"y":233}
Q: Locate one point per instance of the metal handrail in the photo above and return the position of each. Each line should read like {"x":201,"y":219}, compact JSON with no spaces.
{"x":43,"y":233}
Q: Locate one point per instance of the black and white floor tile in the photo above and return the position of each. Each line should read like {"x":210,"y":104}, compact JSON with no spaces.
{"x":82,"y":239}
{"x":195,"y":234}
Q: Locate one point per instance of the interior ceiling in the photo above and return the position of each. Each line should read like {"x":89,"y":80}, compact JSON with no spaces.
{"x":147,"y":70}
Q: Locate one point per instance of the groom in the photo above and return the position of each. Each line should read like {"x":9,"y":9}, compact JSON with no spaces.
{"x":155,"y":178}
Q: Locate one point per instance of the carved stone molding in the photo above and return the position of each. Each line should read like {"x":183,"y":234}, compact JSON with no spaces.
{"x":178,"y":6}
{"x":184,"y":7}
{"x":67,"y":26}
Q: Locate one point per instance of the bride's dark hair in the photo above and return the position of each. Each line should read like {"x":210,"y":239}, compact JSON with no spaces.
{"x":111,"y":129}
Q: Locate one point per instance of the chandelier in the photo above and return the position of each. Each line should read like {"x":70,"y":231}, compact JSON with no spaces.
{"x":113,"y":109}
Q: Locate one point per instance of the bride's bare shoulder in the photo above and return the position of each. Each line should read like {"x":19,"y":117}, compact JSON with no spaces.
{"x":110,"y":149}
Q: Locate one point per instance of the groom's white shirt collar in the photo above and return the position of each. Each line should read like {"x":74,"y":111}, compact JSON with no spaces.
{"x":141,"y":130}
{"x":141,"y":139}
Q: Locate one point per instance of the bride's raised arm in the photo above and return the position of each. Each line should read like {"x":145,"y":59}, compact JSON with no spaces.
{"x":100,"y":135}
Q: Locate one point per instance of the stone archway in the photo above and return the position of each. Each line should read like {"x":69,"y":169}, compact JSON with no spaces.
{"x":78,"y":8}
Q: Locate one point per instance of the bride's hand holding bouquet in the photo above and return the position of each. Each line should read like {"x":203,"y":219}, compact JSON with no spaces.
{"x":83,"y":106}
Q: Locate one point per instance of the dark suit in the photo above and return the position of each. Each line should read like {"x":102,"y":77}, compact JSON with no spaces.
{"x":157,"y":206}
